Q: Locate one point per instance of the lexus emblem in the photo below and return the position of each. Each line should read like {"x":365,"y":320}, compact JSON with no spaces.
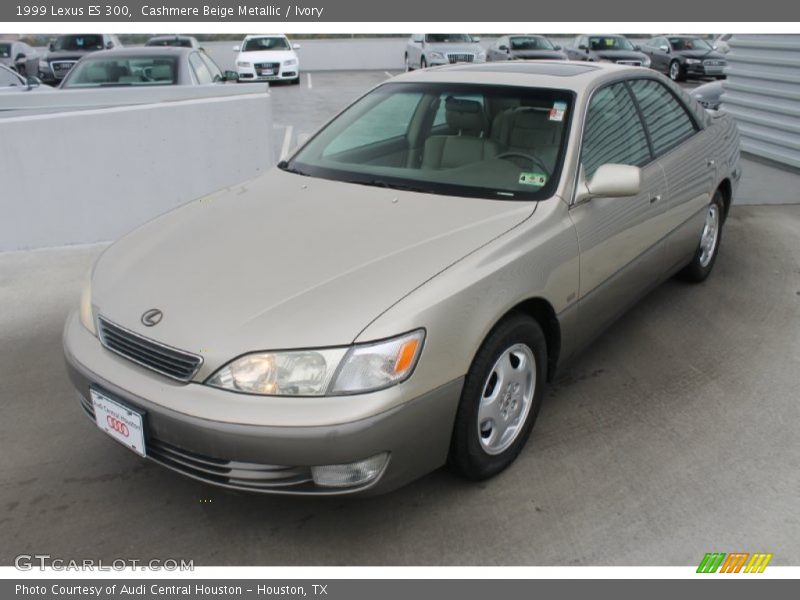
{"x":152,"y":317}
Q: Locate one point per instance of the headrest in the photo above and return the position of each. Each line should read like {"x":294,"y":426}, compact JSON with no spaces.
{"x":161,"y":73}
{"x":464,"y":115}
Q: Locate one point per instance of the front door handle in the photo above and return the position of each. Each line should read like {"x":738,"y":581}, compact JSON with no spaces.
{"x":654,"y":199}
{"x":711,"y":162}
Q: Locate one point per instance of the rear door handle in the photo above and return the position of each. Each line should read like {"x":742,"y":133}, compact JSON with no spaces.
{"x":711,"y":162}
{"x":654,"y":199}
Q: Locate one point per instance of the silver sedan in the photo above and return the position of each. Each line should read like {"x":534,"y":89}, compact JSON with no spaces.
{"x":396,"y":296}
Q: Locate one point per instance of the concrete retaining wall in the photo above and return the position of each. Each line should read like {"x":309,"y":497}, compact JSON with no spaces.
{"x":103,"y":171}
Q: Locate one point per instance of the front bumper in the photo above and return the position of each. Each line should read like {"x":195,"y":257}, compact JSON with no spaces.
{"x":284,"y":74}
{"x":700,"y":70}
{"x":268,"y":459}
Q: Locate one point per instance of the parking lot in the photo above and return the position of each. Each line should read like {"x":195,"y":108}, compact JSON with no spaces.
{"x":672,"y":436}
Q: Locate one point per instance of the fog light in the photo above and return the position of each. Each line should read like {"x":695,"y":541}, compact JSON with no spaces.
{"x":351,"y":474}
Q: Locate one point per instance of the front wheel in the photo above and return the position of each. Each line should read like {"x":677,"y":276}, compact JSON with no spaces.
{"x":423,"y":64}
{"x":705,"y":256}
{"x":501,"y":399}
{"x":675,"y":71}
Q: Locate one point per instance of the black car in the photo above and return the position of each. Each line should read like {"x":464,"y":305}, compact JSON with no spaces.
{"x":526,"y":47}
{"x":66,"y":50}
{"x":685,"y":56}
{"x":607,"y":48}
{"x":19,"y":57}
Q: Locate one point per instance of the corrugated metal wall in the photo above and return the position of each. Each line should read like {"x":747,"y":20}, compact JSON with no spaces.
{"x":762,"y":92}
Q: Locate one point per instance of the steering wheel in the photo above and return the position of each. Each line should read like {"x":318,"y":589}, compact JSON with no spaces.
{"x":534,"y":159}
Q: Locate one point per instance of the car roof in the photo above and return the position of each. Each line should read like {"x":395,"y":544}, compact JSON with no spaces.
{"x":142,"y":51}
{"x":557,"y":74}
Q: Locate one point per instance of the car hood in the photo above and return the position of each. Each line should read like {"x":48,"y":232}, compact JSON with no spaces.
{"x":263,"y":56}
{"x":615,"y":55}
{"x":287,"y":261}
{"x":539,"y":54}
{"x":68,"y":54}
{"x":704,"y":54}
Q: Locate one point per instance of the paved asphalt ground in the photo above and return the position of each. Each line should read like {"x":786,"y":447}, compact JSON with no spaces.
{"x":674,"y":435}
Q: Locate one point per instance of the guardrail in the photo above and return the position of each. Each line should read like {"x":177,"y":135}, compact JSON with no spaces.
{"x":105,"y":162}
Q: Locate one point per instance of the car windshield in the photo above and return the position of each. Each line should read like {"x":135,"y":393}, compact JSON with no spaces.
{"x":448,"y":38}
{"x":9,"y":79}
{"x":5,"y":50}
{"x":123,"y":71}
{"x":265,"y":43}
{"x":610,"y":42}
{"x":79,"y":42}
{"x":499,"y":142}
{"x":176,"y":42}
{"x":689,"y":43}
{"x":530,"y":43}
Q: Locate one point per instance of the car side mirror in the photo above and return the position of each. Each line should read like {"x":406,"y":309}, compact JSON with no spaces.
{"x":33,"y":82}
{"x":236,"y":48}
{"x":556,"y":47}
{"x":637,"y":47}
{"x":613,"y":181}
{"x":476,"y":39}
{"x":583,"y":47}
{"x":109,"y":45}
{"x":20,"y":57}
{"x":503,"y":47}
{"x":296,"y":46}
{"x":231,"y":76}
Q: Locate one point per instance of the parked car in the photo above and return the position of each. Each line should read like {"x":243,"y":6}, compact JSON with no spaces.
{"x":181,"y":41}
{"x":20,"y":57}
{"x":268,"y":58}
{"x":431,"y":49}
{"x":609,"y":48}
{"x":145,"y":67}
{"x":684,"y":56}
{"x":66,"y":50}
{"x":11,"y":81}
{"x":397,"y":294}
{"x":721,"y":44}
{"x":709,"y":95}
{"x":528,"y":47}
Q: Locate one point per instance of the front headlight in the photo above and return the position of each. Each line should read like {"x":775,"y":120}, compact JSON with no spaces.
{"x":436,"y":56}
{"x":332,"y":371}
{"x":242,"y":63}
{"x":44,"y":65}
{"x":87,"y":314}
{"x":290,"y":62}
{"x":646,"y":62}
{"x":693,"y":61}
{"x":481,"y":56}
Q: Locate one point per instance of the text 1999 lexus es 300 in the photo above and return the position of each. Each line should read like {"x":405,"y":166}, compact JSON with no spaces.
{"x":396,"y":295}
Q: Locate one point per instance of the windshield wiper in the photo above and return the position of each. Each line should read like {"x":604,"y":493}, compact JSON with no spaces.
{"x":388,"y":185}
{"x":284,"y":166}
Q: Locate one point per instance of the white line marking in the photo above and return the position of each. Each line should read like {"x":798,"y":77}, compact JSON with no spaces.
{"x":308,"y":75}
{"x":287,"y":142}
{"x":388,"y":74}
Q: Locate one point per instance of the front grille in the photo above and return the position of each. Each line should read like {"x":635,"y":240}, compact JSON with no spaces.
{"x":714,"y":63}
{"x":233,"y":474}
{"x":158,"y":357}
{"x":459,"y":58}
{"x":632,"y":63}
{"x":274,"y":66}
{"x":61,"y":68}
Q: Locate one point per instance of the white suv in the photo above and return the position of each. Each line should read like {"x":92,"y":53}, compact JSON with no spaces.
{"x":267,"y":58}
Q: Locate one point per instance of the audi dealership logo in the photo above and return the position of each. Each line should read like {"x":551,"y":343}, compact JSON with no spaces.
{"x":152,"y":317}
{"x":117,"y":425}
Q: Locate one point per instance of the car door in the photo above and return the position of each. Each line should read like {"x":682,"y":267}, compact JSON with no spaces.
{"x":685,"y":152}
{"x":660,"y":54}
{"x":621,"y":255}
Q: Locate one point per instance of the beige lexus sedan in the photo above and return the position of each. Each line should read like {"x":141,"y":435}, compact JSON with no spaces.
{"x":396,"y":295}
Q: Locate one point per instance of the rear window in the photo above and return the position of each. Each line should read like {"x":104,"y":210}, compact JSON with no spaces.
{"x":174,"y":42}
{"x":122,"y":71}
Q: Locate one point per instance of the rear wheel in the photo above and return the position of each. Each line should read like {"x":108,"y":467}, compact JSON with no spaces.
{"x":501,"y":398}
{"x":705,"y":256}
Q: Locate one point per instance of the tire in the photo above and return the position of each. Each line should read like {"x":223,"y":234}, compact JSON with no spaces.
{"x":423,"y":64}
{"x":708,"y":248}
{"x":675,"y":71}
{"x":296,"y":80}
{"x":480,"y":447}
{"x":408,"y":64}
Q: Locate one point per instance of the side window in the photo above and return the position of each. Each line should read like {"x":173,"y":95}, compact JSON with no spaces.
{"x":385,"y":121}
{"x":213,"y":69}
{"x":200,"y":69}
{"x":666,"y":119}
{"x":613,"y":132}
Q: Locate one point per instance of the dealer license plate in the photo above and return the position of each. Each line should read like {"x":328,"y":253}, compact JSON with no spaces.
{"x":120,"y":422}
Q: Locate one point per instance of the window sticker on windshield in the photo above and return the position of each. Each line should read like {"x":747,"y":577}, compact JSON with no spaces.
{"x":558,"y":110}
{"x":537,"y":179}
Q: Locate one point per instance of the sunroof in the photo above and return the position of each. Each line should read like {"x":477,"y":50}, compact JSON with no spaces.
{"x":554,"y":69}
